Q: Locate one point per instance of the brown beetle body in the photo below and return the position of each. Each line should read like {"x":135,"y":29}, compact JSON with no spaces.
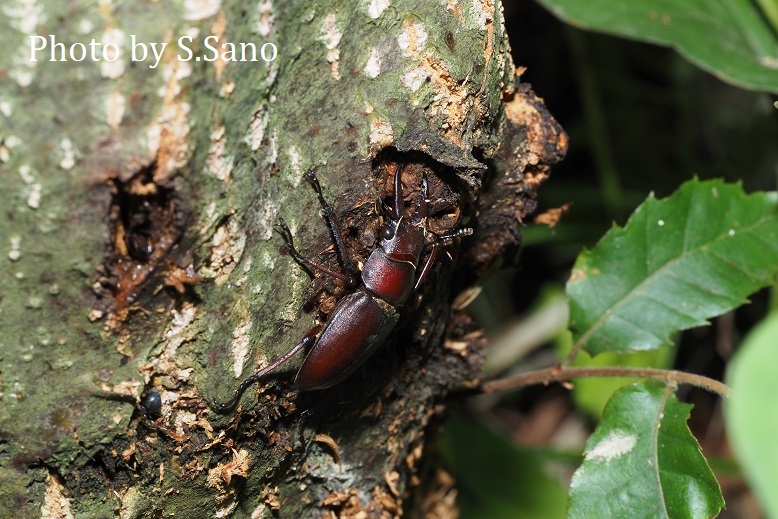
{"x":357,"y":327}
{"x":363,"y":320}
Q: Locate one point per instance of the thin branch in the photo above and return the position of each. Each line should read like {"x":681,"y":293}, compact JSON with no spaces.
{"x":573,"y":352}
{"x":560,"y":373}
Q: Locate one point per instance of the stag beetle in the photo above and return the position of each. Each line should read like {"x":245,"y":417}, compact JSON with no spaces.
{"x":361,"y":321}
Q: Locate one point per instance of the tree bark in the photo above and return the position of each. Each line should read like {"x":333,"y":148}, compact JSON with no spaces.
{"x":137,"y":224}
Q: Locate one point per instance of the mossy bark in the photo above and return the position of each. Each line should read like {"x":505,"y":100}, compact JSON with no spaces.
{"x":138,"y":251}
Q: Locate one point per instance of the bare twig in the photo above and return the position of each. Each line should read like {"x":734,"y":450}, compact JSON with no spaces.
{"x":562,"y":373}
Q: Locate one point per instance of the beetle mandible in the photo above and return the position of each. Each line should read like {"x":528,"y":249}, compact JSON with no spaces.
{"x":362,"y":320}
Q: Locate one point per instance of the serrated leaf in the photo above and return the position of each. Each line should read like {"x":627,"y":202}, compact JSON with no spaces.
{"x":728,"y":38}
{"x":678,"y":262}
{"x":751,"y":417}
{"x":642,"y":461}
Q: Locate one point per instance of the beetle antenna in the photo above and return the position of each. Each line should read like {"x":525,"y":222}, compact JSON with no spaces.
{"x":399,"y":203}
{"x":441,"y":240}
{"x":448,"y":237}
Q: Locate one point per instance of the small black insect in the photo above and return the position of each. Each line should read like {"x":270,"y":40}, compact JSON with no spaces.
{"x":151,"y":404}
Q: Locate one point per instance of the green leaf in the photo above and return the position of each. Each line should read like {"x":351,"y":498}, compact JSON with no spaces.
{"x":770,"y":10}
{"x":497,"y":478}
{"x":642,"y":461}
{"x":751,"y":417}
{"x":677,"y":262}
{"x":728,"y":38}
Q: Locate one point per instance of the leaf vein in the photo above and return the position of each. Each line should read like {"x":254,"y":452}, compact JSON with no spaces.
{"x":663,"y":270}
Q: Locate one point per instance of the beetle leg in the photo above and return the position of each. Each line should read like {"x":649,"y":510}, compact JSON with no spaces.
{"x":286,"y":234}
{"x":308,"y":340}
{"x":427,"y":266}
{"x":440,"y":241}
{"x":337,"y":235}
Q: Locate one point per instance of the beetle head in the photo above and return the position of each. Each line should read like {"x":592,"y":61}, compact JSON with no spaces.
{"x":402,"y":238}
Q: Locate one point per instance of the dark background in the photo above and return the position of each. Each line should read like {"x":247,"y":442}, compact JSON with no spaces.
{"x":640,"y":119}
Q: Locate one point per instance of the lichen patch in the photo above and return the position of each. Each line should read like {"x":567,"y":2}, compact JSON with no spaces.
{"x":481,"y":11}
{"x":454,"y":7}
{"x":240,"y":346}
{"x":199,"y":9}
{"x":175,"y":333}
{"x":331,"y":35}
{"x":226,"y":251}
{"x":219,"y":165}
{"x":6,"y":108}
{"x":375,"y":8}
{"x":68,"y":154}
{"x":373,"y":65}
{"x":297,"y":169}
{"x":381,"y":134}
{"x":616,"y":444}
{"x":268,"y":213}
{"x":14,"y":253}
{"x":112,"y":65}
{"x":257,"y":129}
{"x":266,"y":18}
{"x":272,"y":157}
{"x":218,"y":28}
{"x":24,"y":15}
{"x":6,"y":145}
{"x":412,"y":39}
{"x":131,"y":501}
{"x":414,"y":78}
{"x":115,"y":104}
{"x":34,"y":197}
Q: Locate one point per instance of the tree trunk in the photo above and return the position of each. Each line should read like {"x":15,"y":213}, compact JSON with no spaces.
{"x":138,"y":208}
